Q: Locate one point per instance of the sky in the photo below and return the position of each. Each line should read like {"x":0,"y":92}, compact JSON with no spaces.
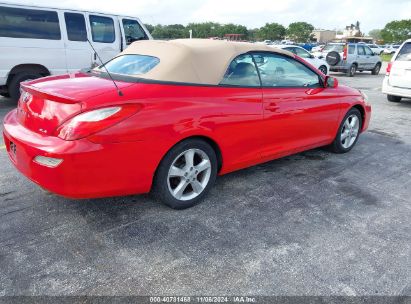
{"x":323,"y":14}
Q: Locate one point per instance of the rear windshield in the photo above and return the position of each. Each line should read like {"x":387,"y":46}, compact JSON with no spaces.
{"x":334,"y":47}
{"x":405,"y":53}
{"x":130,"y":65}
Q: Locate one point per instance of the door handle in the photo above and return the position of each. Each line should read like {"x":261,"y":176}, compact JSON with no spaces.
{"x":95,"y":56}
{"x":272,"y":108}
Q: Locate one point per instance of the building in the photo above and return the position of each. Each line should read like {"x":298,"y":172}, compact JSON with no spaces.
{"x":323,"y":36}
{"x":352,"y":30}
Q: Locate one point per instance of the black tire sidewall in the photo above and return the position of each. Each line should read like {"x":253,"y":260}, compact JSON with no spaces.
{"x":323,"y":67}
{"x":160,"y":185}
{"x":352,"y":72}
{"x":374,"y":70}
{"x":14,"y":86}
{"x":393,"y":98}
{"x":336,"y":145}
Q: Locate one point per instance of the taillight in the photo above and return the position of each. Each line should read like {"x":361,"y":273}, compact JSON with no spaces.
{"x":345,"y":52}
{"x":389,"y":69}
{"x":91,"y":122}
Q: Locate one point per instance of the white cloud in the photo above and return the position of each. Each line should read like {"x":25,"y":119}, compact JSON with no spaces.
{"x":322,"y":14}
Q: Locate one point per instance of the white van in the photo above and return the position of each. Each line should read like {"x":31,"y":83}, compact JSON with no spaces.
{"x":40,"y":41}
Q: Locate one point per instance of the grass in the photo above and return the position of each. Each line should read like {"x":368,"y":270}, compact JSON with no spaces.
{"x":386,"y":57}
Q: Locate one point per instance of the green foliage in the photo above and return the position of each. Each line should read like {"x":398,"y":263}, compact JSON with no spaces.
{"x":386,"y":57}
{"x":200,"y":30}
{"x":300,"y":31}
{"x":375,"y":34}
{"x":397,"y":31}
{"x":271,"y":31}
{"x":172,"y":31}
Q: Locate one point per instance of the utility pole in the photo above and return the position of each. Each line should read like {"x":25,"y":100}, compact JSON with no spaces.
{"x":191,"y":34}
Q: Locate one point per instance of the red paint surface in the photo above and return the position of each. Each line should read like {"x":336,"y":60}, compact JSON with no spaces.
{"x":248,"y":125}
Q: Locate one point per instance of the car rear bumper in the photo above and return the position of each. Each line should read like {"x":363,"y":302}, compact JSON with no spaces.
{"x":88,"y":170}
{"x":390,"y":90}
{"x":339,"y":68}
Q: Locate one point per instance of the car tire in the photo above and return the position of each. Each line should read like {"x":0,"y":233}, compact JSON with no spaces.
{"x":333,"y":58}
{"x":14,"y":86}
{"x":352,"y":70}
{"x":177,"y":190}
{"x":344,"y":140}
{"x":376,"y":70}
{"x":323,"y":69}
{"x":393,"y":98}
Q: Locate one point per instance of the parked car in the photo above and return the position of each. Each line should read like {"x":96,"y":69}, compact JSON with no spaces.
{"x":172,"y":127}
{"x":350,"y":58}
{"x":391,"y":49}
{"x":320,"y":64}
{"x":40,"y":41}
{"x":288,"y":42}
{"x":376,"y":48}
{"x":329,"y":47}
{"x":317,"y":48}
{"x":397,"y":81}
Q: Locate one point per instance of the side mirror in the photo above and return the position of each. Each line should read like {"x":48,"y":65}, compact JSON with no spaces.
{"x":331,"y":82}
{"x":312,"y":56}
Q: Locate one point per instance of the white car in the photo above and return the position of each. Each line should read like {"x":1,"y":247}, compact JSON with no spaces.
{"x":376,"y":48}
{"x":317,"y":48}
{"x":391,"y":49}
{"x":320,"y":64}
{"x":41,"y":41}
{"x":397,"y":82}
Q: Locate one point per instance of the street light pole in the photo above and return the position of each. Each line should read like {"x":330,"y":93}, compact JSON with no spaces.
{"x":191,"y":34}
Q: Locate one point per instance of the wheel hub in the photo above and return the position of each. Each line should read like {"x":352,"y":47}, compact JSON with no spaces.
{"x":189,"y":174}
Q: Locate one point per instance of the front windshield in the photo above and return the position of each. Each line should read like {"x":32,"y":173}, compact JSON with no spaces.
{"x":130,"y":65}
{"x":334,"y":47}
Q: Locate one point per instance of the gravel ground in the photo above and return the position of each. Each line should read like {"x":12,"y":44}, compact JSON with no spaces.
{"x":314,"y":223}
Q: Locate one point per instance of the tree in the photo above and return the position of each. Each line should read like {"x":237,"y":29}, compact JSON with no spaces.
{"x":396,"y":31}
{"x":271,"y":31}
{"x":300,"y":31}
{"x":205,"y":29}
{"x":172,"y":31}
{"x":231,"y":28}
{"x":149,"y":27}
{"x":375,"y":34}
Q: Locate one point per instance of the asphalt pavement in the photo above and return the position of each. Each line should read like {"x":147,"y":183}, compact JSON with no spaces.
{"x":314,"y":223}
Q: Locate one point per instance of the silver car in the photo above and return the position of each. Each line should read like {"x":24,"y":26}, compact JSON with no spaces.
{"x":350,"y":58}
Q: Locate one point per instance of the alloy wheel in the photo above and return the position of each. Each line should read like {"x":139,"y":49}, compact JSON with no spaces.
{"x":350,"y":130}
{"x":189,"y":174}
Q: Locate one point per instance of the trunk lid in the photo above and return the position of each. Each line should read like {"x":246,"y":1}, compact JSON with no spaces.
{"x":46,"y":103}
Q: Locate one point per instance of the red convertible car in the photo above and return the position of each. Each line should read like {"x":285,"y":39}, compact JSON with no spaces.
{"x":171,"y":116}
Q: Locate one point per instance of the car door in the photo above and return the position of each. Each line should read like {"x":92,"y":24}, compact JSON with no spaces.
{"x":361,"y":59}
{"x":79,"y":53}
{"x":370,"y":58}
{"x":238,"y":101}
{"x":299,"y":112}
{"x":132,"y":31}
{"x":106,"y":36}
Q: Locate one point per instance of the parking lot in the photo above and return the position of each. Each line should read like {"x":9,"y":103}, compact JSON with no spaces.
{"x":315,"y":223}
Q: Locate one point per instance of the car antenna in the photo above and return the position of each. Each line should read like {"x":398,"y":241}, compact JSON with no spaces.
{"x":103,"y":65}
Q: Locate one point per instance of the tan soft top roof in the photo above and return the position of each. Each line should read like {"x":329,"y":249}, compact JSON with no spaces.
{"x":202,"y":61}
